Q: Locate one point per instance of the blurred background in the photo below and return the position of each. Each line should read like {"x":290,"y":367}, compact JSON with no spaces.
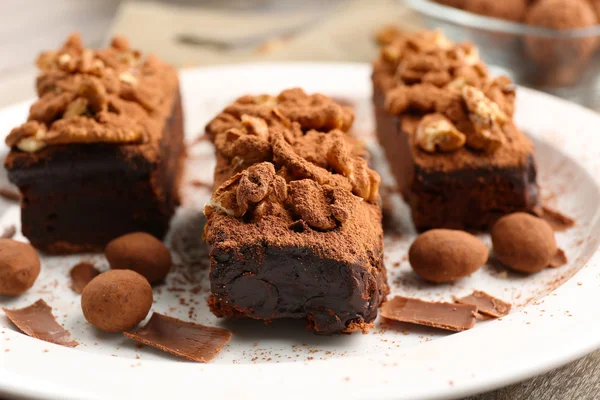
{"x":550,"y":45}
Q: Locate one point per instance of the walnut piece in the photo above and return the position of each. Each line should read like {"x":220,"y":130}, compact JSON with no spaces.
{"x":387,"y":34}
{"x":127,"y":77}
{"x":257,"y":185}
{"x":487,"y":119}
{"x":255,"y":126}
{"x":436,"y":133}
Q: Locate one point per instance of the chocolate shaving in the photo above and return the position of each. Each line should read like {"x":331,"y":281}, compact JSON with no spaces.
{"x":192,"y":341}
{"x":10,"y":194}
{"x":201,"y":184}
{"x":38,"y":322}
{"x":452,"y":317}
{"x":558,"y":221}
{"x":81,"y":275}
{"x":486,"y":304}
{"x":8,"y":232}
{"x":203,"y":137}
{"x":559,"y":259}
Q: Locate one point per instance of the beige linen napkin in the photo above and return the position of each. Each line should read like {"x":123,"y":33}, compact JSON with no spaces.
{"x":339,"y":32}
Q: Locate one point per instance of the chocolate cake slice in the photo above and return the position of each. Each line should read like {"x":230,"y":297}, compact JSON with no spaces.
{"x":102,"y":151}
{"x":447,"y":130}
{"x":294,"y":225}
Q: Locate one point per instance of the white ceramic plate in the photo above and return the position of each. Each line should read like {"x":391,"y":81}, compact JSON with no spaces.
{"x":549,"y":326}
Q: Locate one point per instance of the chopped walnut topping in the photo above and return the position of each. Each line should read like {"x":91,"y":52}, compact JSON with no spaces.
{"x":255,"y":186}
{"x":76,"y":108}
{"x":255,"y":126}
{"x":436,"y":133}
{"x":128,"y":77}
{"x":120,"y":43}
{"x":387,"y":34}
{"x":82,"y":98}
{"x":481,"y":106}
{"x":292,"y":108}
{"x":487,"y":119}
{"x":425,"y":74}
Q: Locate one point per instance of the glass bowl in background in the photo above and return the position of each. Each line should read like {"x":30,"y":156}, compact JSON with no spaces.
{"x":565,"y":63}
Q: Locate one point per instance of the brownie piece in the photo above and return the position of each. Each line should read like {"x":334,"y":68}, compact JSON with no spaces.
{"x":294,"y":225}
{"x":102,"y":151}
{"x":448,"y":133}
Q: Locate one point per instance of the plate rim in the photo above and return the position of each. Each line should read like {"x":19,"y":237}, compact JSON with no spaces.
{"x":590,"y":340}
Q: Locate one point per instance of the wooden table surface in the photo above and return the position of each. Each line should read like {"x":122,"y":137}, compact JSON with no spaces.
{"x":29,"y":26}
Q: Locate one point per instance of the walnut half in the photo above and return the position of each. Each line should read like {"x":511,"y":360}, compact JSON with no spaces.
{"x":436,"y":133}
{"x":487,"y":118}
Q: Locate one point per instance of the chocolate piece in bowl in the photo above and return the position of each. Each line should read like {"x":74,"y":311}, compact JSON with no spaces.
{"x":448,"y":133}
{"x":510,"y":10}
{"x":102,"y":151}
{"x":564,"y":59}
{"x":295,"y":226}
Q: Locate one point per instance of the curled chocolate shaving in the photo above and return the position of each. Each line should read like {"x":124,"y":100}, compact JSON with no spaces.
{"x":559,"y":259}
{"x":81,"y":274}
{"x":558,"y":221}
{"x":10,"y":194}
{"x":38,"y":322}
{"x":452,"y":317}
{"x":194,"y":342}
{"x":486,"y":304}
{"x":8,"y":232}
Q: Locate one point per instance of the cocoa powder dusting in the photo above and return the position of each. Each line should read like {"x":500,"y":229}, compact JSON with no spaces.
{"x":315,"y":190}
{"x":424,"y":73}
{"x":111,"y":95}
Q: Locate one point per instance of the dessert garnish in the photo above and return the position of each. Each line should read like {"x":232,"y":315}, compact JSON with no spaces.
{"x":116,"y":300}
{"x":10,"y":194}
{"x":452,"y":317}
{"x":486,"y":304}
{"x":19,"y":267}
{"x":142,"y":253}
{"x":192,"y":341}
{"x":446,"y":255}
{"x":557,"y":220}
{"x":82,"y":274}
{"x":9,"y":232}
{"x":523,"y":242}
{"x":38,"y":322}
{"x":559,"y":259}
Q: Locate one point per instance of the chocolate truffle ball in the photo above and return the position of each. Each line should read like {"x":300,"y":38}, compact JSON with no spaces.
{"x":556,"y":54}
{"x":446,"y":255}
{"x":142,"y":253}
{"x":511,"y":10}
{"x":116,"y":300}
{"x":19,"y":267}
{"x":523,"y":242}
